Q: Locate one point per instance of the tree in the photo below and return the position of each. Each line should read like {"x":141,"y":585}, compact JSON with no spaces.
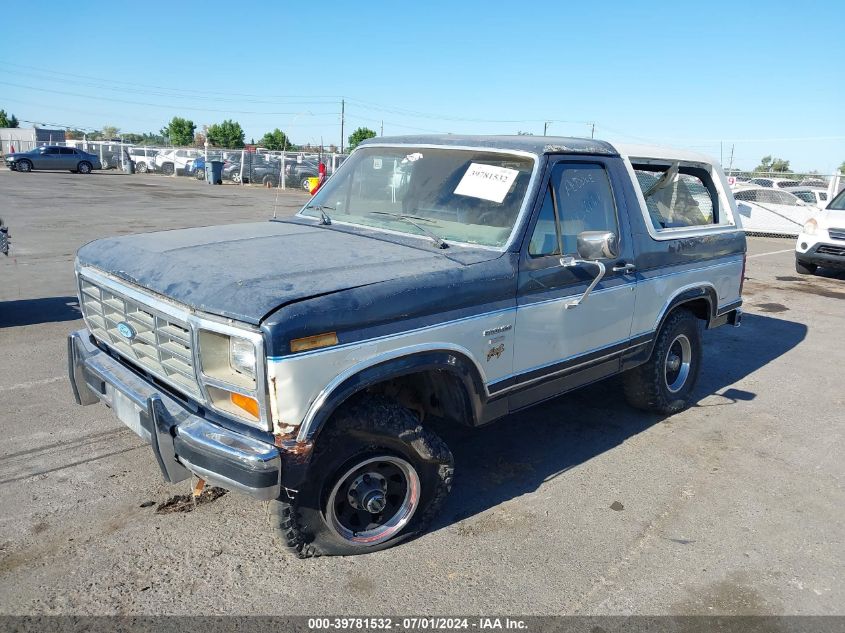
{"x":109,"y":132}
{"x":226,"y":134}
{"x":276,"y":140}
{"x":8,"y":120}
{"x":180,"y":131}
{"x":361,"y":134}
{"x":770,"y":164}
{"x":842,"y":167}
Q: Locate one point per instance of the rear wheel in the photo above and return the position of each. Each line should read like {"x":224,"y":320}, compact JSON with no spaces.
{"x":23,"y":165}
{"x":141,"y":168}
{"x":805,"y":268}
{"x":236,"y":178}
{"x":167,"y":169}
{"x":84,"y":167}
{"x":665,"y":382}
{"x":377,"y":478}
{"x":269,"y":181}
{"x":305,"y":184}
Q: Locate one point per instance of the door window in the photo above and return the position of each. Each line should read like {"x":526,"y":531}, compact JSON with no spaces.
{"x":584,"y":202}
{"x":583,"y":198}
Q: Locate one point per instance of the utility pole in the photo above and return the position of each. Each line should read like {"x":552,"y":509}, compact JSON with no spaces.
{"x":342,"y":121}
{"x":382,"y":128}
{"x":546,"y":127}
{"x":730,"y":167}
{"x":592,"y":130}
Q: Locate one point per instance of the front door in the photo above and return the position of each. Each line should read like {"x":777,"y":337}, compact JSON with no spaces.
{"x":560,"y":346}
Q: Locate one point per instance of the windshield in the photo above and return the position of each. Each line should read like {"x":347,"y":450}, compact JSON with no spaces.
{"x":838,"y":203}
{"x":471,"y":196}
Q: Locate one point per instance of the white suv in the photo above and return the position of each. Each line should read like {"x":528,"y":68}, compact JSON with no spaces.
{"x":144,"y":158}
{"x":822,"y":240}
{"x":175,"y":159}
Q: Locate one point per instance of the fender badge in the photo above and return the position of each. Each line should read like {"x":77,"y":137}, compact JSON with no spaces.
{"x":126,"y":330}
{"x":495,"y":351}
{"x":497,"y":330}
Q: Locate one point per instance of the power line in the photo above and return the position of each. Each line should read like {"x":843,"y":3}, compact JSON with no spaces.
{"x":176,"y":90}
{"x":156,"y":105}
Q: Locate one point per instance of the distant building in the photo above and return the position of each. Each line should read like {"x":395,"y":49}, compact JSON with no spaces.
{"x":23,"y":139}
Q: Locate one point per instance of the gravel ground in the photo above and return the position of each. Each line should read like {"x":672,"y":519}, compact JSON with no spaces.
{"x":580,"y":506}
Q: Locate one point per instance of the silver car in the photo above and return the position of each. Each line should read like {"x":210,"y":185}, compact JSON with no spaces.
{"x":53,"y":157}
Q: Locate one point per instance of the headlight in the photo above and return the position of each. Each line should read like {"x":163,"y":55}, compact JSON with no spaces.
{"x":811,"y":226}
{"x":242,"y":356}
{"x":229,"y":371}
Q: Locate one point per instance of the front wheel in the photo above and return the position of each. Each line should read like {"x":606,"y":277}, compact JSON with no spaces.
{"x":664,"y":384}
{"x":84,"y":167}
{"x":23,"y":165}
{"x":141,"y":168}
{"x":167,"y":169}
{"x":377,"y":478}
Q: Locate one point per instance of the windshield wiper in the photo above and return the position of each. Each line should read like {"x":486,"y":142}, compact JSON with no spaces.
{"x":412,"y":219}
{"x":324,"y":217}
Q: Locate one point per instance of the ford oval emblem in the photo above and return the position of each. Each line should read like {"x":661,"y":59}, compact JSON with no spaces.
{"x":126,"y":330}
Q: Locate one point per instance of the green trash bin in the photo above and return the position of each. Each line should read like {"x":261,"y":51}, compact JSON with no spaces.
{"x":214,"y":172}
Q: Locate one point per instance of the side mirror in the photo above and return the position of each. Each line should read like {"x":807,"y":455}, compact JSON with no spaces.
{"x":594,"y":245}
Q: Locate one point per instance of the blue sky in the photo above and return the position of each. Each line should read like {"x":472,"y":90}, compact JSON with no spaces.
{"x":765,"y":77}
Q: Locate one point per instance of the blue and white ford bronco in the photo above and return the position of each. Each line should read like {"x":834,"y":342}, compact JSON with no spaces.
{"x":433,"y":280}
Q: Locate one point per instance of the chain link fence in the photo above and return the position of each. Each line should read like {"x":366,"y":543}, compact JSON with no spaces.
{"x":253,"y":165}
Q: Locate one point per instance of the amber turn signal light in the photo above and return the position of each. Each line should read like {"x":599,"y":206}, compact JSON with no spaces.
{"x":250,"y":405}
{"x":326,"y":339}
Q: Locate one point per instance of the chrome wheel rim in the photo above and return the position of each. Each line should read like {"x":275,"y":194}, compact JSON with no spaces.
{"x":676,"y":367}
{"x":374,"y":500}
{"x":84,"y":169}
{"x":23,"y":166}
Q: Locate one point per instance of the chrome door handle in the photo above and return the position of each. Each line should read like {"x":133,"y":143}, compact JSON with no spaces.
{"x":628,"y":269}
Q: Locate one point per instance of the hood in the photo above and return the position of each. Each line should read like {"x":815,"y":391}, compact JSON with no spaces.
{"x":830,"y":218}
{"x":245,"y":271}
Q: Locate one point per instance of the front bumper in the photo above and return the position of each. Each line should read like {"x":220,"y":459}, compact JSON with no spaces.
{"x":825,"y":254}
{"x":182,"y":442}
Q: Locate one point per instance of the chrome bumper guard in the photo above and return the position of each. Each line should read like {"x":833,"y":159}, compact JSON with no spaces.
{"x":182,"y":442}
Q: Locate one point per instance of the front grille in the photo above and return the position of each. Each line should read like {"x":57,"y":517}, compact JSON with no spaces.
{"x":829,"y":249}
{"x":836,"y":234}
{"x":161,"y":343}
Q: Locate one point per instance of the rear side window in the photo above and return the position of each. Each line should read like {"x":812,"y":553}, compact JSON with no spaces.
{"x":680,"y":198}
{"x":806,"y":196}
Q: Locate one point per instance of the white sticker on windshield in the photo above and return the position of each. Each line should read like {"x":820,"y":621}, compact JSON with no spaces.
{"x":486,"y":182}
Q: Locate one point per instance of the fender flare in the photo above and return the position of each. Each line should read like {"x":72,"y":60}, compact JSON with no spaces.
{"x":688,"y":295}
{"x":456,"y":363}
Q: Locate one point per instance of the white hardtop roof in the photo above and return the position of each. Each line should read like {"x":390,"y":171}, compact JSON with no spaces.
{"x":659,"y":152}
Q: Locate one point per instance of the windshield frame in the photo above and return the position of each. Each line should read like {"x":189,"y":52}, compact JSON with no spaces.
{"x":519,"y":220}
